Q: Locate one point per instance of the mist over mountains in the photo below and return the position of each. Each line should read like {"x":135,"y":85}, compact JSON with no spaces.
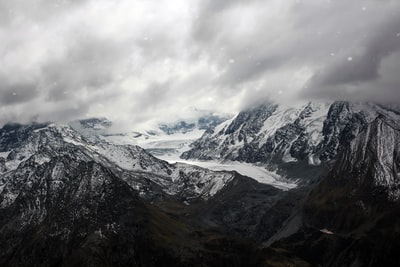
{"x":278,"y":183}
{"x":199,"y":133}
{"x":67,"y":60}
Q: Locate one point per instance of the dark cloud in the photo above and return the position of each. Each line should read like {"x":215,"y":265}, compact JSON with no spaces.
{"x":341,"y":44}
{"x":140,"y":61}
{"x":17,"y":90}
{"x":362,"y":71}
{"x":18,"y":93}
{"x":90,"y":64}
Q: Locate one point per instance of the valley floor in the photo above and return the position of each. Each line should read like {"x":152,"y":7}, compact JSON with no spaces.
{"x":170,"y":147}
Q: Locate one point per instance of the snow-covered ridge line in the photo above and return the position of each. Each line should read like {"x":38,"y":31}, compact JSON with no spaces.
{"x":52,"y":142}
{"x":265,"y":133}
{"x":167,"y":146}
{"x":306,"y":133}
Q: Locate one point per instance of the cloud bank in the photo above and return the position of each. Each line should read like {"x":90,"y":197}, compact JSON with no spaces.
{"x":140,"y":61}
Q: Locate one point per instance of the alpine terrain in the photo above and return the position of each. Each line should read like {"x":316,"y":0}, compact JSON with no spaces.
{"x":313,"y":184}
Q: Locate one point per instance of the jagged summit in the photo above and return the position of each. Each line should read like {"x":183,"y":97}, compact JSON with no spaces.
{"x":272,"y":134}
{"x":264,"y":134}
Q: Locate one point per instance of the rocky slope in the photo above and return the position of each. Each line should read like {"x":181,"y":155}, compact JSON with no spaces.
{"x":49,"y":141}
{"x":73,"y":198}
{"x":351,"y":218}
{"x":66,"y":200}
{"x":283,"y":136}
{"x":69,"y":212}
{"x":365,"y":177}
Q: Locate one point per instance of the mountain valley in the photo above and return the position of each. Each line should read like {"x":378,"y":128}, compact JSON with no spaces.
{"x":308,"y":185}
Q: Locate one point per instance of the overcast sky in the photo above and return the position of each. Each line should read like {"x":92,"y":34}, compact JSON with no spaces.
{"x":152,"y":60}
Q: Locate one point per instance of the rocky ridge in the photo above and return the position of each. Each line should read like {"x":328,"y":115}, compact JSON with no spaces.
{"x":277,"y":135}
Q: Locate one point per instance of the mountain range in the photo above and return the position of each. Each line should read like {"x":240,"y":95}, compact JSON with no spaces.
{"x":80,"y":195}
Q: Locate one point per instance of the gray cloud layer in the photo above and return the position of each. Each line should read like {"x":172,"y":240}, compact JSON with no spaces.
{"x":143,"y":61}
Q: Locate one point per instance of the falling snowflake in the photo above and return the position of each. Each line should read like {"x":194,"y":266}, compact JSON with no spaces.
{"x":332,"y":54}
{"x":231,"y":61}
{"x":350,"y":59}
{"x":363,"y":8}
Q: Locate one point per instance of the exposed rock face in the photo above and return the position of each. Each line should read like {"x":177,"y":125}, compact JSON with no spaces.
{"x":268,"y":133}
{"x":373,"y":158}
{"x":12,"y":155}
{"x":275,"y":134}
{"x":11,"y":135}
{"x":239,"y":207}
{"x":342,"y":124}
{"x":65,"y":202}
{"x":364,"y":180}
{"x":2,"y":164}
{"x":354,"y":212}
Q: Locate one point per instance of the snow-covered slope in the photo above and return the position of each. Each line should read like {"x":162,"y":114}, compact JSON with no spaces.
{"x":41,"y":145}
{"x":167,"y":145}
{"x":166,"y":139}
{"x":309,"y":133}
{"x":262,"y":132}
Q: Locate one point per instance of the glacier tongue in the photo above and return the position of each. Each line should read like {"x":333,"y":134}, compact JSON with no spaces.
{"x":258,"y":173}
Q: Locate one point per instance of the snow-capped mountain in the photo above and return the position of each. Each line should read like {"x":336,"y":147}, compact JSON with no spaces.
{"x":163,"y":140}
{"x":78,"y":189}
{"x":265,"y":133}
{"x":40,"y":144}
{"x":203,"y":123}
{"x":73,"y":196}
{"x":310,"y":133}
{"x":168,"y":147}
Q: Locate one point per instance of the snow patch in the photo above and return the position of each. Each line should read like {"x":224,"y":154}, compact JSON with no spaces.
{"x":314,"y":160}
{"x":326,"y":231}
{"x":4,"y":154}
{"x":283,"y":115}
